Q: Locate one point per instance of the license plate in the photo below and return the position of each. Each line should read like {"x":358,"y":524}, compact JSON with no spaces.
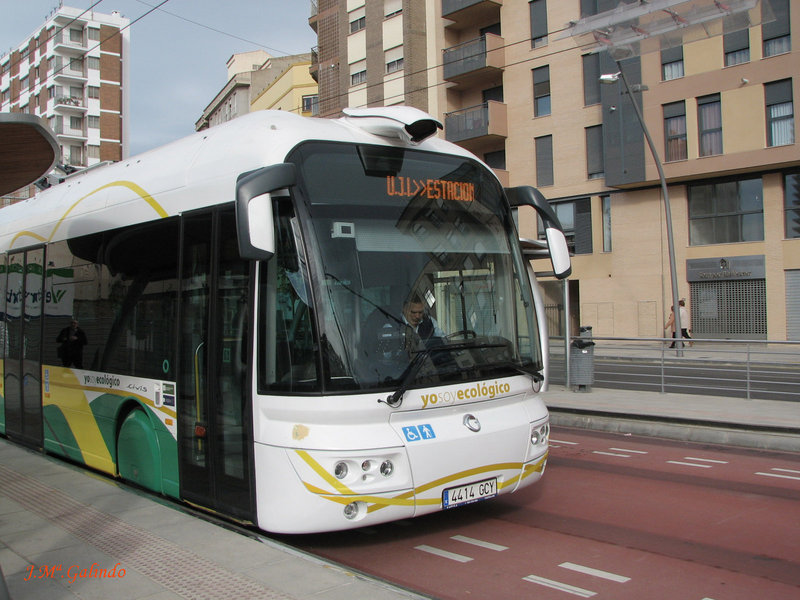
{"x":471,"y":492}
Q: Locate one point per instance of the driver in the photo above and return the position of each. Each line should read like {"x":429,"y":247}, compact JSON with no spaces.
{"x":414,"y":316}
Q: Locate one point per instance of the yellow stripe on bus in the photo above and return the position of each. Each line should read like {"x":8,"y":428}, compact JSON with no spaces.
{"x":344,"y":495}
{"x":135,"y":188}
{"x":74,"y":406}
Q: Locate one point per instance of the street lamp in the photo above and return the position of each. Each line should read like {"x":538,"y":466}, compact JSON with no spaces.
{"x":611,"y":78}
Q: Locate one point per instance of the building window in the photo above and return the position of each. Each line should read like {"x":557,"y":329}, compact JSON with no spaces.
{"x":776,"y":28}
{"x":544,"y":160}
{"x":76,"y":123}
{"x":709,"y":121}
{"x":76,"y":36}
{"x":591,"y":79}
{"x":736,"y":46}
{"x":538,"y":23}
{"x":394,"y":59}
{"x":93,"y":151}
{"x":496,"y":159}
{"x":93,"y":91}
{"x":93,"y":33}
{"x":357,"y":20}
{"x":726,"y":212}
{"x":358,"y":73}
{"x":93,"y":122}
{"x":605,"y":202}
{"x":93,"y":62}
{"x":594,"y":152}
{"x":671,"y":63}
{"x":675,"y":131}
{"x":780,"y":113}
{"x":392,"y":8}
{"x":791,"y":195}
{"x":576,"y":220}
{"x":311,"y":104}
{"x":541,"y":91}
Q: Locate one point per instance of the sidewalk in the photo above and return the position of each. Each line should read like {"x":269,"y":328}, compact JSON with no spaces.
{"x":72,"y":535}
{"x":765,"y":424}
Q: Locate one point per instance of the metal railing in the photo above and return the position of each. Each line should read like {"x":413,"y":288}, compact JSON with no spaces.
{"x":751,"y":369}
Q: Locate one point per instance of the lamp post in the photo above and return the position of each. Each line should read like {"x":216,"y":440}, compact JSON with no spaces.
{"x":613,"y":78}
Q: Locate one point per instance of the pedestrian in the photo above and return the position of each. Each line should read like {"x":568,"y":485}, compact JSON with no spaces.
{"x":72,"y":340}
{"x":684,"y":314}
{"x":685,"y":321}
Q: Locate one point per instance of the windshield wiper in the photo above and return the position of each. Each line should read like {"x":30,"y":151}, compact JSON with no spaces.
{"x":533,"y":374}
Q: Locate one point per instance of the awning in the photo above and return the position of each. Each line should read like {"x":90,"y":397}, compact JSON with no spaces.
{"x":28,"y":150}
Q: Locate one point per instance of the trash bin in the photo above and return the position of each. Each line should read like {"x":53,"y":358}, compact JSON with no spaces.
{"x":581,"y":356}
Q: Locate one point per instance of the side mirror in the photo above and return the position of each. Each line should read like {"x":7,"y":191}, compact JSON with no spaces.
{"x":556,"y":241}
{"x":559,"y":252}
{"x":254,"y":218}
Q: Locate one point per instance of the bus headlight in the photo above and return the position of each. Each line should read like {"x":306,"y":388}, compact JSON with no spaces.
{"x":540,"y":434}
{"x":355,"y":511}
{"x":340,"y":470}
{"x":387,"y":468}
{"x":351,"y":511}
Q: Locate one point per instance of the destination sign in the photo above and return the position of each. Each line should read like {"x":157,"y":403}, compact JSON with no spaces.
{"x":434,"y":189}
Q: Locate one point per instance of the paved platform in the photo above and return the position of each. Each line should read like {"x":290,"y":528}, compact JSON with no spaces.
{"x":66,"y":534}
{"x":764,"y":424}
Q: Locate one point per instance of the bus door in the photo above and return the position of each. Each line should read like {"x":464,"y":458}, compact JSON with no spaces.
{"x":215,"y":432}
{"x":24,"y":302}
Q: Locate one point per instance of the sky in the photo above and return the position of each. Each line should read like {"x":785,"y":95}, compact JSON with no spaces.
{"x":178,"y":53}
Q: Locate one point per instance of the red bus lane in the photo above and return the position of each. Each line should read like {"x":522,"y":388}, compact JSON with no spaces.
{"x":614,"y":517}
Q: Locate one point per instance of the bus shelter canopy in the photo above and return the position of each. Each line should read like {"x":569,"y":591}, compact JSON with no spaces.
{"x":28,"y":150}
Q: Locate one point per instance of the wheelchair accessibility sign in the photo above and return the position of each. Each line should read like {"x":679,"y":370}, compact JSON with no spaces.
{"x":416,"y":433}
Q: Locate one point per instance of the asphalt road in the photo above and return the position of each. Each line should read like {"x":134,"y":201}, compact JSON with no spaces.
{"x":616,"y":517}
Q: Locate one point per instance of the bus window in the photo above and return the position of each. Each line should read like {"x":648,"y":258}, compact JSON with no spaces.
{"x":287,"y":357}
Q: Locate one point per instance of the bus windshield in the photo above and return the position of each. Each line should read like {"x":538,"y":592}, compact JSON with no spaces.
{"x":409,"y":254}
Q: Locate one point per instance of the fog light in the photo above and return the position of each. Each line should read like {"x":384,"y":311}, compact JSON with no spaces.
{"x":365,"y":466}
{"x":387,"y":468}
{"x":340,"y":470}
{"x":351,"y":511}
{"x":534,"y":438}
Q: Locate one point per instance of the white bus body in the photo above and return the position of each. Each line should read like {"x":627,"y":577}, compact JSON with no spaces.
{"x":258,"y":361}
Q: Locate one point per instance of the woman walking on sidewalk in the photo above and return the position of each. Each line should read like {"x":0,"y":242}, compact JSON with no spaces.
{"x":684,"y":322}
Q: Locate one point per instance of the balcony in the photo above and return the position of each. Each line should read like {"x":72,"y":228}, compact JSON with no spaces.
{"x":475,"y":61}
{"x":477,"y":128}
{"x":69,"y":75}
{"x":314,"y":68}
{"x":466,"y":13}
{"x":65,"y":45}
{"x":70,"y":104}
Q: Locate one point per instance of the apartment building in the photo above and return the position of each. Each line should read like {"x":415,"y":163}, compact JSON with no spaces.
{"x":259,"y":81}
{"x":514,"y":83}
{"x":73,"y":72}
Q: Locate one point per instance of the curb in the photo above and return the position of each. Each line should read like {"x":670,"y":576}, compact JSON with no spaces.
{"x":685,"y":430}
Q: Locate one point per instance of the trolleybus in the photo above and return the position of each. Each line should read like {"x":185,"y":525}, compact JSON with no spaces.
{"x":245,"y":297}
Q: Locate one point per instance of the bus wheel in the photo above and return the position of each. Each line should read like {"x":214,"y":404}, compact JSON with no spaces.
{"x":138,"y":457}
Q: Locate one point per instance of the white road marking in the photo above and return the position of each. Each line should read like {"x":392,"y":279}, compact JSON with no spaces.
{"x":709,"y":460}
{"x":779,"y":476}
{"x":611,"y":454}
{"x":595,"y":572}
{"x":564,"y":442}
{"x":481,"y":543}
{"x":631,"y":451}
{"x":557,"y":585}
{"x":685,"y":464}
{"x":443,"y":553}
{"x":785,"y":470}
